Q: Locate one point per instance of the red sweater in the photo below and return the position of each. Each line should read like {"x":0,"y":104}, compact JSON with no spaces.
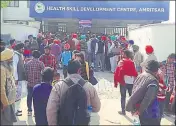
{"x":162,"y":88}
{"x":125,"y":67}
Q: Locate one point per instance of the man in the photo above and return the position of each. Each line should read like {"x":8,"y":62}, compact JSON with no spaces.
{"x":169,"y":72}
{"x":143,"y":101}
{"x":138,"y":58}
{"x":12,"y":43}
{"x":48,"y":59}
{"x":150,"y":55}
{"x":33,"y":43}
{"x":65,"y":58}
{"x":100,"y":55}
{"x":42,"y":46}
{"x":8,"y":88}
{"x":19,"y":74}
{"x":40,"y":95}
{"x":56,"y":50}
{"x":83,"y":44}
{"x":94,"y":40}
{"x":71,"y":43}
{"x":33,"y":69}
{"x":125,"y":74}
{"x":60,"y":89}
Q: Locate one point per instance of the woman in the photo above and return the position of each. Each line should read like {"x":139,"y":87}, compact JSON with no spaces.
{"x":84,"y":66}
{"x":86,"y":72}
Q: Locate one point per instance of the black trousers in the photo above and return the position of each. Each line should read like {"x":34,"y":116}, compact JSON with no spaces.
{"x":168,"y":95}
{"x":123,"y":89}
{"x":149,"y":121}
{"x":65,"y":71}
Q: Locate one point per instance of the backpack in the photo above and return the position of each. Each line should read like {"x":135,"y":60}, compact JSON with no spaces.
{"x":73,"y":105}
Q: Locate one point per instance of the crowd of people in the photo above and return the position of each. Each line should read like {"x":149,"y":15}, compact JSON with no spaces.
{"x":37,"y":61}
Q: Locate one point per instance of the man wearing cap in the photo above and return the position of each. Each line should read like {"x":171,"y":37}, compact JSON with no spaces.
{"x":56,"y":50}
{"x":8,"y":88}
{"x":19,"y":74}
{"x":48,"y":59}
{"x":143,"y":101}
{"x":150,"y":55}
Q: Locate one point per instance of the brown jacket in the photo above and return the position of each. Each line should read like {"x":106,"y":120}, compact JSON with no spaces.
{"x":60,"y":88}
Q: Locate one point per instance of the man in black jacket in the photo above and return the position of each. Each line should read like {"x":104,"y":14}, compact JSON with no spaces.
{"x":143,"y":100}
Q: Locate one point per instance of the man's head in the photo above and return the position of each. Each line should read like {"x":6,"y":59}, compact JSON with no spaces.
{"x":149,"y":49}
{"x":56,"y":76}
{"x":7,"y":58}
{"x":30,"y":37}
{"x":74,"y":54}
{"x":12,"y":41}
{"x":171,"y":58}
{"x":26,"y":42}
{"x":47,"y":74}
{"x":19,"y":47}
{"x":135,"y":48}
{"x":47,"y":50}
{"x":36,"y":54}
{"x":66,"y":46}
{"x":127,"y":54}
{"x":74,"y":67}
{"x":153,"y":66}
{"x":44,"y":41}
{"x":93,"y":36}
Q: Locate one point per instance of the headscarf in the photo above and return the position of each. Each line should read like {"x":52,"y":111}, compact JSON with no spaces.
{"x":66,"y":46}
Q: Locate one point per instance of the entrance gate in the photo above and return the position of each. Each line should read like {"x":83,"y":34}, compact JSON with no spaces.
{"x":64,"y":27}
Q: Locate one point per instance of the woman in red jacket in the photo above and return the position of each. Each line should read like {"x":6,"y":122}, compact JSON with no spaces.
{"x":125,"y":74}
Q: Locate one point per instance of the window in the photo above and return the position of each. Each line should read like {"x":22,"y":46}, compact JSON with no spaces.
{"x":28,"y":3}
{"x":14,"y":3}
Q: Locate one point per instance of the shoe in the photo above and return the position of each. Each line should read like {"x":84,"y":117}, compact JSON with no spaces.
{"x":18,"y":113}
{"x":29,"y":113}
{"x":122,"y":112}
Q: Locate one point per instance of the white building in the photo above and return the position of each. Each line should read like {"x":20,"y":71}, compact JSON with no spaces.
{"x":15,"y":21}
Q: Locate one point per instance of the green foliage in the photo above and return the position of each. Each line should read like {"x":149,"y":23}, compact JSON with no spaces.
{"x":4,"y":3}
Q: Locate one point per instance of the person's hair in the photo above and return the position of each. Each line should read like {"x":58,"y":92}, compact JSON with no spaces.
{"x":153,"y":66}
{"x":128,"y":53}
{"x":19,"y":46}
{"x":172,"y":55}
{"x":47,"y":74}
{"x":12,"y":41}
{"x":81,"y":55}
{"x":93,"y":35}
{"x":56,"y":74}
{"x":26,"y":41}
{"x":75,"y":51}
{"x":36,"y":54}
{"x":29,"y":36}
{"x":73,"y":66}
{"x":47,"y":47}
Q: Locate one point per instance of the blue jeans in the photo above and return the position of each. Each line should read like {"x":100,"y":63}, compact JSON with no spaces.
{"x":161,"y":106}
{"x":123,"y":89}
{"x":29,"y":98}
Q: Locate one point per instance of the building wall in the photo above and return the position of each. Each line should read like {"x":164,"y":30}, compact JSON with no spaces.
{"x":17,"y":13}
{"x":18,"y":32}
{"x":157,"y":36}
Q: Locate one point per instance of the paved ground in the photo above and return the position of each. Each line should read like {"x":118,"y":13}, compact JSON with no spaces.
{"x":110,"y":100}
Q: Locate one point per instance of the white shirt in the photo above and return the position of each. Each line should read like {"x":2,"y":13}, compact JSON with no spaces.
{"x":15,"y":63}
{"x":76,"y":41}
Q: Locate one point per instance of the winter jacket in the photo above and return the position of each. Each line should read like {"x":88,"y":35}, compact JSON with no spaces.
{"x":125,"y":67}
{"x":58,"y":91}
